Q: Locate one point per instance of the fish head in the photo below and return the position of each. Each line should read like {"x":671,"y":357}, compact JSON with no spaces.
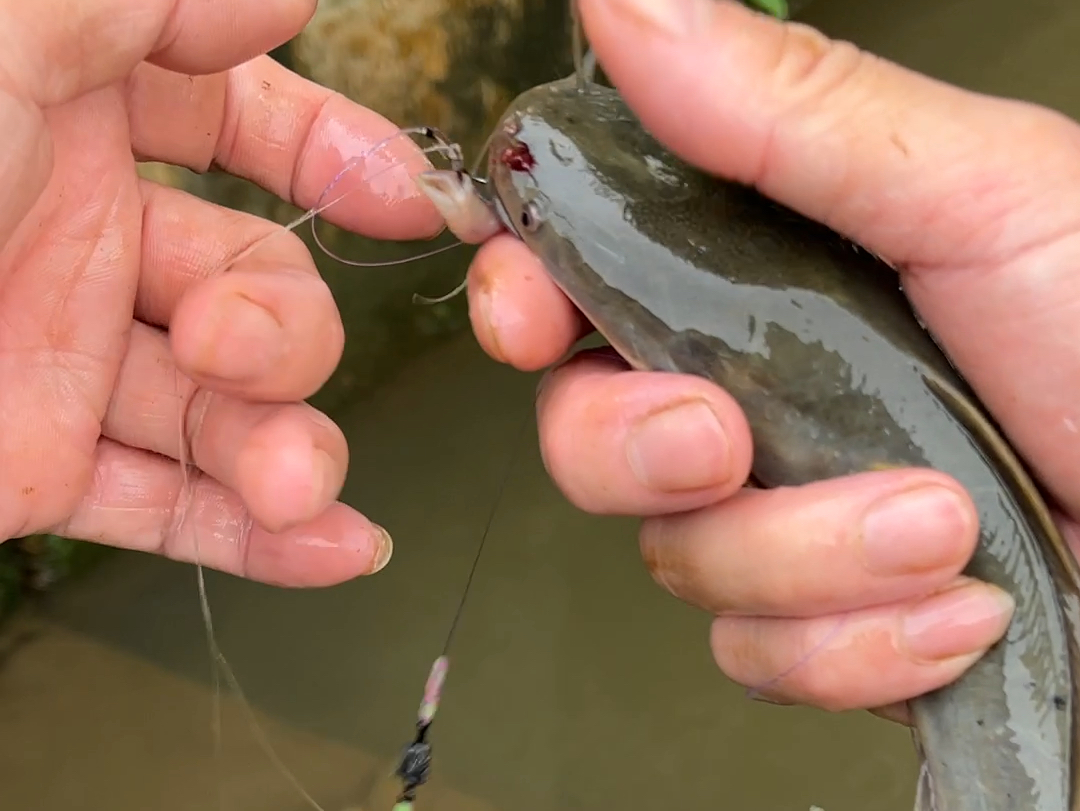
{"x":570,"y":165}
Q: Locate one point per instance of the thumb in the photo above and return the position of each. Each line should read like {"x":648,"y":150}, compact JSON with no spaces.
{"x":55,"y":51}
{"x":915,"y":170}
{"x":973,"y":196}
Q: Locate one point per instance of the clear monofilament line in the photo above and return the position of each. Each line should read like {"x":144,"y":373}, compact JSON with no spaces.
{"x":759,"y":690}
{"x":452,"y":152}
{"x":220,"y":667}
{"x":416,"y":761}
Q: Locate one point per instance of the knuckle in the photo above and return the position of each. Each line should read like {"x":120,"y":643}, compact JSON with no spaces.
{"x":810,"y":68}
{"x":816,"y":84}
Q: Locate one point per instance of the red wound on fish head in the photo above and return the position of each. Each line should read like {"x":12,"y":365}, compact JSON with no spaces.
{"x":517,"y":157}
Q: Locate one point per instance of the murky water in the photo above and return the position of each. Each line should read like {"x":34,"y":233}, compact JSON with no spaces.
{"x":575,"y":684}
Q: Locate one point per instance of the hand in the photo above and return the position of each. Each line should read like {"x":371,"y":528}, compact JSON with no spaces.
{"x":97,"y":264}
{"x":976,"y":199}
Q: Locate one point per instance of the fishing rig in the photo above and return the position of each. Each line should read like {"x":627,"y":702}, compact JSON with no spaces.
{"x":414,"y":768}
{"x":415,"y":765}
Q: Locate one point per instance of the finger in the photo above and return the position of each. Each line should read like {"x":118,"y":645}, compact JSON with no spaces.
{"x":291,"y":136}
{"x":822,"y":548}
{"x":136,"y":496}
{"x":974,"y":195}
{"x":56,"y":53}
{"x":837,"y":133}
{"x":638,"y":443}
{"x":268,"y":329}
{"x":186,"y":240}
{"x":286,"y":461}
{"x":518,"y":314}
{"x":869,"y":658}
{"x":270,"y":334}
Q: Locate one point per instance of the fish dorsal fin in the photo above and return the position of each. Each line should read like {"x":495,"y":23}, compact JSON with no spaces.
{"x":1064,"y":568}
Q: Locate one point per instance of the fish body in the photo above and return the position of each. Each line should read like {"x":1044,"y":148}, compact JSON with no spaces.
{"x":814,"y":337}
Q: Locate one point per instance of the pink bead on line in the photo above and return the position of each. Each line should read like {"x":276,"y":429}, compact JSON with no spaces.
{"x":433,"y":689}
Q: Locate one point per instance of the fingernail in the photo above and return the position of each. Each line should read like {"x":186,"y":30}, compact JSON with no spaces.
{"x":243,"y":341}
{"x":679,"y":448}
{"x":915,"y":531}
{"x":962,"y":621}
{"x":676,"y":18}
{"x":383,"y":550}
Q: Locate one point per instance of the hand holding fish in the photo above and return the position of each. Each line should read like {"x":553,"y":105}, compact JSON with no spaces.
{"x":110,"y":285}
{"x":975,"y":200}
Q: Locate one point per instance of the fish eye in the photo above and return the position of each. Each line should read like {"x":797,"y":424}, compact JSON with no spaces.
{"x":530,"y":217}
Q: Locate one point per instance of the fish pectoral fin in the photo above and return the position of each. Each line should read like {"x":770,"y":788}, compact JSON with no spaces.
{"x":924,"y":792}
{"x":924,"y":788}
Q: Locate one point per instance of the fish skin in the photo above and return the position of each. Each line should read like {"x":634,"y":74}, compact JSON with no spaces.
{"x":815,"y":339}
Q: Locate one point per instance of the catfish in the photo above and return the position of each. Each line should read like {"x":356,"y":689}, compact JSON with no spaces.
{"x":814,"y":337}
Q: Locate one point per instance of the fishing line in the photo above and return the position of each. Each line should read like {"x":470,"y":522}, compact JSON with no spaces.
{"x":415,"y":765}
{"x":450,"y":150}
{"x":487,"y":531}
{"x":220,"y":666}
{"x":473,"y":173}
{"x":758,"y":691}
